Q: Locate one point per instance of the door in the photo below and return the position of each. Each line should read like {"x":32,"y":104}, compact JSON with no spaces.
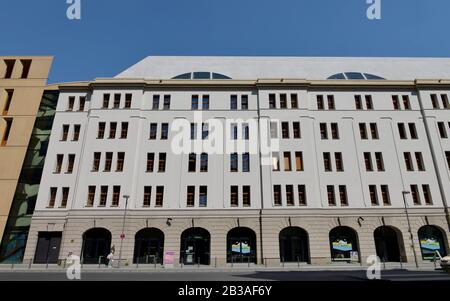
{"x":47,"y":249}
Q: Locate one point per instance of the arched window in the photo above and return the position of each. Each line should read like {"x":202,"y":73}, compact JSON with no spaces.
{"x":344,"y":244}
{"x":96,"y":245}
{"x":149,"y":246}
{"x":431,"y":239}
{"x":195,"y":246}
{"x":201,"y":75}
{"x":241,"y":245}
{"x":389,"y":244}
{"x":294,"y":245}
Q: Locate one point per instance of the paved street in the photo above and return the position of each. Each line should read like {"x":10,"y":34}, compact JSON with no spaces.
{"x":355,"y":275}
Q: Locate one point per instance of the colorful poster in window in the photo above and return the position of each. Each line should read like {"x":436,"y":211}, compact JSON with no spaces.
{"x":430,"y":244}
{"x":169,"y":258}
{"x":245,"y":248}
{"x":342,"y":245}
{"x":240,"y":247}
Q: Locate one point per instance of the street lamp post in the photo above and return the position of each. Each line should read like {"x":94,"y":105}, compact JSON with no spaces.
{"x":122,"y":235}
{"x":404,"y":193}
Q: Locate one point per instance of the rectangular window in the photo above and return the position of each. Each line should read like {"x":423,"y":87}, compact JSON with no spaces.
{"x":233,"y":102}
{"x":299,"y":161}
{"x":415,"y":194}
{"x":408,"y":162}
{"x":70,"y":164}
{"x":339,"y":161}
{"x":203,"y":198}
{"x":71,"y":103}
{"x":327,"y":161}
{"x":7,"y":131}
{"x":285,"y":130}
{"x":59,"y":162}
{"x":442,"y":130}
{"x":76,"y":132}
{"x":290,"y":195}
{"x":368,"y":161}
{"x":395,"y":102}
{"x":445,"y":103}
{"x":105,"y":104}
{"x":434,"y":101}
{"x":116,"y":196}
{"x":297,"y":131}
{"x":277,"y":195}
{"x":275,"y":161}
{"x":283,"y":101}
{"x":194,"y":102}
{"x":192,"y":162}
{"x":245,"y":162}
{"x":287,"y":161}
{"x":374,"y":131}
{"x":412,"y":130}
{"x":274,"y":130}
{"x":9,"y":68}
{"x":320,"y":104}
{"x":101,"y":130}
{"x":380,"y":162}
{"x":373,"y":194}
{"x":164,"y":131}
{"x":234,"y":131}
{"x":369,"y":103}
{"x":205,"y":102}
{"x":272,"y":101}
{"x":120,"y":161}
{"x":234,"y":162}
{"x":26,"y":65}
{"x":116,"y":103}
{"x":65,"y":133}
{"x":9,"y":96}
{"x":294,"y":101}
{"x":155,"y":105}
{"x":234,"y":201}
{"x":331,"y":195}
{"x":128,"y":99}
{"x":406,"y":103}
{"x":65,"y":197}
{"x":124,"y":130}
{"x":91,"y":196}
{"x":190,"y":197}
{"x":343,"y":195}
{"x":103,"y":196}
{"x":52,"y":198}
{"x":153,"y":130}
{"x":447,"y":156}
{"x":166,"y":102}
{"x":246,"y":198}
{"x":358,"y":102}
{"x":108,"y":161}
{"x":147,"y":196}
{"x":363,"y":131}
{"x":385,"y":195}
{"x":245,"y":131}
{"x":150,"y":161}
{"x":205,"y":131}
{"x":323,"y":131}
{"x":427,"y":194}
{"x":419,"y":161}
{"x":244,"y":102}
{"x":112,"y":130}
{"x":334,"y":131}
{"x":302,"y":195}
{"x":331,"y":105}
{"x":162,"y":162}
{"x":96,"y":163}
{"x":193,"y":131}
{"x":204,"y":162}
{"x":402,"y":131}
{"x":82,"y":103}
{"x":159,"y":196}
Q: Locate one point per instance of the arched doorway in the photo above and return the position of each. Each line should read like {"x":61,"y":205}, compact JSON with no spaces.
{"x":344,"y":244}
{"x":431,"y":240}
{"x":96,"y":245}
{"x":241,"y":245}
{"x":294,"y":245}
{"x":148,"y":246}
{"x":195,"y":246}
{"x":389,"y":244}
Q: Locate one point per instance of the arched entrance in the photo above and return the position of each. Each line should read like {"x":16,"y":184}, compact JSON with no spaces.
{"x":294,"y":245}
{"x":96,"y":245}
{"x":431,"y":240}
{"x":241,"y":245}
{"x":195,"y":246}
{"x":344,"y":244}
{"x":389,"y":244}
{"x":148,"y":246}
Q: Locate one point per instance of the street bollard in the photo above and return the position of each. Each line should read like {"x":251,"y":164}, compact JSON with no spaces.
{"x":282,"y":260}
{"x":401,"y":264}
{"x":298,"y":261}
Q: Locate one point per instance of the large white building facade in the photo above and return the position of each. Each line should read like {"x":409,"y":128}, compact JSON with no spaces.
{"x":332,"y":153}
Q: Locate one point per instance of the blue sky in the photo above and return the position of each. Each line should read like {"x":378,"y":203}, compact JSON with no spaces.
{"x":114,"y":34}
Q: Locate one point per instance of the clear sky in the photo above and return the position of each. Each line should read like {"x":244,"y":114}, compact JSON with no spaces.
{"x":114,"y":34}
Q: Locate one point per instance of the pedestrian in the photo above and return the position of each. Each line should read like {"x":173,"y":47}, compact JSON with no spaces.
{"x":110,"y":259}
